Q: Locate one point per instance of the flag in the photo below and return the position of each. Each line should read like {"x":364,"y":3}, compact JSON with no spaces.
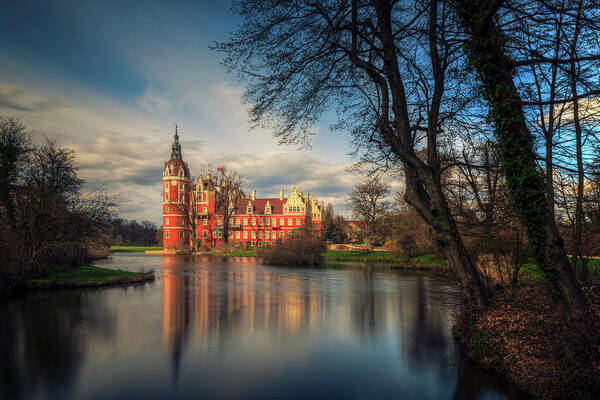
{"x":220,"y":169}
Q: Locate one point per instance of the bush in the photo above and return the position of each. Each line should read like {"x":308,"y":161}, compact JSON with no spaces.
{"x":303,"y":248}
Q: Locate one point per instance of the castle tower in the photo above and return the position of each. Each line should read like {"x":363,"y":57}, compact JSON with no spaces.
{"x":176,"y":200}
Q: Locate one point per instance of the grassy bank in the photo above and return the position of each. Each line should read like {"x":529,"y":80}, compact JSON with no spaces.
{"x":535,"y":272}
{"x":89,"y":276}
{"x":532,"y":341}
{"x":133,"y":249}
{"x":347,"y":255}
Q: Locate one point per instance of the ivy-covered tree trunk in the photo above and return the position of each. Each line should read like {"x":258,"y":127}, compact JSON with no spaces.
{"x":515,"y":144}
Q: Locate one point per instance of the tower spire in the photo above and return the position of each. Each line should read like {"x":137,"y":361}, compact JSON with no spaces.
{"x":176,"y":147}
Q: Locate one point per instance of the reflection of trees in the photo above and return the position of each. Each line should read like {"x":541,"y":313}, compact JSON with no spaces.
{"x":367,"y":304}
{"x":43,"y":339}
{"x":429,"y":334}
{"x":473,"y":384}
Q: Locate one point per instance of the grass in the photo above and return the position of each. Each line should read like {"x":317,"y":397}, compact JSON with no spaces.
{"x":89,"y":276}
{"x":382,"y":256}
{"x":88,"y":273}
{"x":133,"y":249}
{"x":535,"y":272}
{"x":361,"y":256}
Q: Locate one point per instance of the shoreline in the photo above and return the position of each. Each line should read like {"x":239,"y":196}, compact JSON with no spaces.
{"x":85,"y":276}
{"x":532,"y":342}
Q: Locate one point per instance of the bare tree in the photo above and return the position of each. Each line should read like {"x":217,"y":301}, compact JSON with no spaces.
{"x":490,"y":26}
{"x":228,"y":190}
{"x":388,"y":65}
{"x":367,"y":200}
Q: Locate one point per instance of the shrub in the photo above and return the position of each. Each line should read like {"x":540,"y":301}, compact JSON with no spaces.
{"x":304,"y":247}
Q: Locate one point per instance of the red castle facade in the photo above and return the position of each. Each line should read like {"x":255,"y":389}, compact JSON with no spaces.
{"x":256,"y":222}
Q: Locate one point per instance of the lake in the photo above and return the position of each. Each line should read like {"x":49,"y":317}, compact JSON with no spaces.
{"x":231,"y":328}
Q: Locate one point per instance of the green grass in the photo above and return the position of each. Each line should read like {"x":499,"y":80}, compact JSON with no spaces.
{"x":240,"y":253}
{"x":87,"y":273}
{"x":133,"y":249}
{"x":361,"y":255}
{"x":535,"y":272}
{"x":381,"y":256}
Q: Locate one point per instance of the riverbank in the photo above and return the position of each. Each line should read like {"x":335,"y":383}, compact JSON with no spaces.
{"x":134,"y":249}
{"x":421,"y":262}
{"x":88,"y":276}
{"x":532,"y":342}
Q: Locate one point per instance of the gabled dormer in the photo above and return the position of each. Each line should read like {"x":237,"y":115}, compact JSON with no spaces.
{"x":249,"y":208}
{"x":268,"y":208}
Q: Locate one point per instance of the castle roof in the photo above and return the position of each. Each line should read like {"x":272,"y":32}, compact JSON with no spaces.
{"x":260,"y":204}
{"x":174,"y":165}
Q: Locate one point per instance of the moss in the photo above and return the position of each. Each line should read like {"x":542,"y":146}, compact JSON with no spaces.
{"x":485,"y":348}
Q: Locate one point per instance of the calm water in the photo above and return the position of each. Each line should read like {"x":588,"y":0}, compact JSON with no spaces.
{"x":214,"y":328}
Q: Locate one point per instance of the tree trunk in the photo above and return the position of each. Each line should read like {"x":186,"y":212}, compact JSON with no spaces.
{"x":434,"y":210}
{"x":525,"y":182}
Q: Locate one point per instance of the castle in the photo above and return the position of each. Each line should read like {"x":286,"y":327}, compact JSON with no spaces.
{"x":192,"y":220}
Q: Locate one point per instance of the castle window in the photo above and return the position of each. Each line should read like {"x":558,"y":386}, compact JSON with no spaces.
{"x":253,"y":244}
{"x":237,"y":221}
{"x":273,"y":235}
{"x":253,"y":235}
{"x":245,"y":221}
{"x":204,"y":221}
{"x":167,"y":209}
{"x":237,"y":235}
{"x":167,"y":233}
{"x":182,"y":221}
{"x":281,"y":221}
{"x":180,"y":234}
{"x":253,"y":221}
{"x":220,"y":221}
{"x":268,"y":235}
{"x":230,"y":221}
{"x":245,"y":234}
{"x":260,"y":221}
{"x":204,"y":210}
{"x":298,"y":222}
{"x":220,"y":234}
{"x":260,"y":235}
{"x":167,"y":221}
{"x":281,"y":234}
{"x":167,"y":196}
{"x":268,"y":221}
{"x":230,"y":234}
{"x":204,"y":234}
{"x":290,"y":222}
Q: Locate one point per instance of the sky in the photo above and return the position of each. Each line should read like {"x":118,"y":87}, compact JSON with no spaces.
{"x":110,"y":79}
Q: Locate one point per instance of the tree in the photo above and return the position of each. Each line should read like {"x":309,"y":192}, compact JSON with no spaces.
{"x":488,"y":54}
{"x":228,"y":190}
{"x":299,"y":57}
{"x":367,"y":200}
{"x":14,"y":148}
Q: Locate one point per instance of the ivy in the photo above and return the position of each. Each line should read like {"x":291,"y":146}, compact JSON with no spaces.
{"x":525,"y":181}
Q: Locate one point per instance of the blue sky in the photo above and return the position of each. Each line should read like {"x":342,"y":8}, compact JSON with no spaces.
{"x":111,"y":78}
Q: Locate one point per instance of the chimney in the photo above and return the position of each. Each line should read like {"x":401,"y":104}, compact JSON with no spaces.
{"x":281,"y":194}
{"x":253,"y":194}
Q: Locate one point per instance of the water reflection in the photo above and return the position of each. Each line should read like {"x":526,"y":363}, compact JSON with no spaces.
{"x":43,"y":340}
{"x":237,"y":329}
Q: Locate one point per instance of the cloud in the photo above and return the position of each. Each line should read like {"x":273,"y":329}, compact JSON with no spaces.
{"x":152,"y":101}
{"x":15,"y":98}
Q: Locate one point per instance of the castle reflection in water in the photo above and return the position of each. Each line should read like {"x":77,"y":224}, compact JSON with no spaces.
{"x":206,"y":305}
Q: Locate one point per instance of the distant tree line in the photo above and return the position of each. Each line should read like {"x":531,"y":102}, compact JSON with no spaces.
{"x":48,"y":220}
{"x":145,"y":233}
